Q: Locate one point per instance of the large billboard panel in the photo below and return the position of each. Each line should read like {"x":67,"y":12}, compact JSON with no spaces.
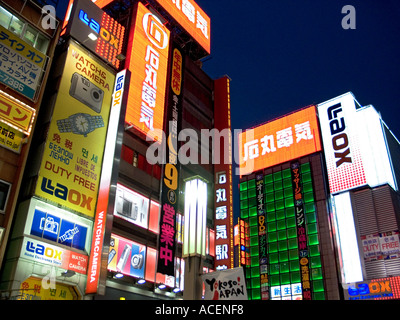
{"x":96,"y":30}
{"x":171,"y":174}
{"x":192,"y":18}
{"x":70,"y":170}
{"x":223,"y":197}
{"x":147,"y":59}
{"x":354,"y":145}
{"x":341,"y":141}
{"x":278,"y":141}
{"x":188,"y":14}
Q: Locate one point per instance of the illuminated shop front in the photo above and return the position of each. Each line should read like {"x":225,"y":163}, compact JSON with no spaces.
{"x":283,"y":210}
{"x":322,"y":223}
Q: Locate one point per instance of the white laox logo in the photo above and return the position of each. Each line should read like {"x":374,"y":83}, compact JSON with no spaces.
{"x":154,"y":30}
{"x":69,"y":234}
{"x":48,"y":224}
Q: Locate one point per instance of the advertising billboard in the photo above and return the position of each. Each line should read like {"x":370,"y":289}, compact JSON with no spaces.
{"x":21,"y":65}
{"x":376,"y":289}
{"x":57,"y":226}
{"x":303,"y":249}
{"x":16,"y":114}
{"x":170,"y":179}
{"x":10,"y":138}
{"x":262,"y":236}
{"x":71,"y":165}
{"x":341,"y":141}
{"x":147,"y":59}
{"x":127,"y":257}
{"x":131,"y":206}
{"x":56,"y":256}
{"x":188,"y":14}
{"x":225,"y":285}
{"x":354,"y":143}
{"x":278,"y":141}
{"x":33,"y":289}
{"x":381,"y":246}
{"x":109,"y":173}
{"x":192,"y":18}
{"x":223,"y":197}
{"x":96,"y":30}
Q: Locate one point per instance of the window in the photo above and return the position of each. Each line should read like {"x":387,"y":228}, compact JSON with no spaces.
{"x":139,"y":161}
{"x":284,"y":269}
{"x":24,"y":30}
{"x":5,"y":188}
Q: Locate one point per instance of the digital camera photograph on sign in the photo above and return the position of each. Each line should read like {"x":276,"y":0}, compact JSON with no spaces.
{"x":86,"y":92}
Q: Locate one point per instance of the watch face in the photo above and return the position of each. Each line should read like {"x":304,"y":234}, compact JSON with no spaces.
{"x":81,"y":123}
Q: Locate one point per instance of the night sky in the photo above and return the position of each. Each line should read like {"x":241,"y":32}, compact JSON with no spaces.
{"x":284,"y":55}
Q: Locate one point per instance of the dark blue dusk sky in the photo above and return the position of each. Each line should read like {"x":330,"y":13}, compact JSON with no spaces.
{"x":283,"y":55}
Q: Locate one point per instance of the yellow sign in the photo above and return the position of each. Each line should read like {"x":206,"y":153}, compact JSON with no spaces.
{"x":10,"y":138}
{"x":15,"y":113}
{"x":71,"y":165}
{"x":21,"y":65}
{"x":42,"y":289}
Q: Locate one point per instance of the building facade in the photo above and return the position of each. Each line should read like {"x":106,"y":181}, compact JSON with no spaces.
{"x":28,"y":40}
{"x":321,"y":222}
{"x":104,"y":202}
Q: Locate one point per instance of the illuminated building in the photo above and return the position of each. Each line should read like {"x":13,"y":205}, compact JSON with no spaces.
{"x":27,"y":47}
{"x":313,"y":216}
{"x":362,"y":160}
{"x":98,"y":216}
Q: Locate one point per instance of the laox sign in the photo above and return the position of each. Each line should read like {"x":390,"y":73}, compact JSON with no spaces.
{"x":340,"y":141}
{"x":100,"y":30}
{"x":370,"y":288}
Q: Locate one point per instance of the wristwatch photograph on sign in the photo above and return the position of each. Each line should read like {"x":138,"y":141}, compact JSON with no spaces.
{"x":80,"y":123}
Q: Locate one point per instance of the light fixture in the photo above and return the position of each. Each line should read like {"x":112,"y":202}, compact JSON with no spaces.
{"x":118,"y":275}
{"x":194,"y":237}
{"x":176,"y":290}
{"x":92,"y":36}
{"x":162,"y":286}
{"x":68,"y":273}
{"x":120,"y":57}
{"x":141,"y":281}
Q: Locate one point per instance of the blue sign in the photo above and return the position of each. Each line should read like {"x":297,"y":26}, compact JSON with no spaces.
{"x":53,"y":228}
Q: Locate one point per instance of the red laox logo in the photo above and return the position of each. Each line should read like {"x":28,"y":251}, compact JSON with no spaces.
{"x":155,"y":31}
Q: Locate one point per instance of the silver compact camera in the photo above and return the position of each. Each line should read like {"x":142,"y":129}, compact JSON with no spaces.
{"x":86,"y":92}
{"x":137,"y":261}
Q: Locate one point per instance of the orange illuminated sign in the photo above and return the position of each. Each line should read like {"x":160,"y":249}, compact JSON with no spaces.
{"x":95,"y":29}
{"x":148,"y":61}
{"x":192,"y":18}
{"x":278,"y":141}
{"x":16,"y":114}
{"x":188,"y":14}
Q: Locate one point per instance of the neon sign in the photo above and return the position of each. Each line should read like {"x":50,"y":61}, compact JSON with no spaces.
{"x":100,"y":30}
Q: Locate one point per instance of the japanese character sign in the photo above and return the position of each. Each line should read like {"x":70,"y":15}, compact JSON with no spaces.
{"x":192,"y":18}
{"x":278,"y":141}
{"x":301,"y":231}
{"x":16,"y":113}
{"x":21,"y":65}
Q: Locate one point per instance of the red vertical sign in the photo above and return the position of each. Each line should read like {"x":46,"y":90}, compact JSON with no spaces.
{"x":223,"y":178}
